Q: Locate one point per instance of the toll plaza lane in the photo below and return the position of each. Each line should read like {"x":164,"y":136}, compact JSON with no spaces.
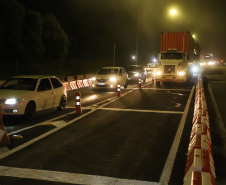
{"x":128,"y":140}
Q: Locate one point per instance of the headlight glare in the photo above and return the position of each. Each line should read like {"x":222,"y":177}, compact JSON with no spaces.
{"x":136,"y":74}
{"x":195,"y":69}
{"x":93,"y":78}
{"x":112,"y":79}
{"x":158,"y":73}
{"x":11,"y":101}
{"x":181,"y":73}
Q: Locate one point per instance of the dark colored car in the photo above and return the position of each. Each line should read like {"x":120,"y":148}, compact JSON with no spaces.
{"x":134,"y":72}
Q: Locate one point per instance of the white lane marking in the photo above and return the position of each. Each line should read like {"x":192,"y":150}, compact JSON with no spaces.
{"x":3,"y":155}
{"x":65,"y":177}
{"x":166,"y":173}
{"x":219,"y":122}
{"x":42,"y":123}
{"x":43,"y":136}
{"x":164,"y":89}
{"x":141,"y":110}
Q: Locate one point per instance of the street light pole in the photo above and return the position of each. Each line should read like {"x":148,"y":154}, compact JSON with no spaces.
{"x":137,"y":36}
{"x":114,"y":54}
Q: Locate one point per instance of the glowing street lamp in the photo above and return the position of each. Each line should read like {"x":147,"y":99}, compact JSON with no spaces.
{"x":173,"y":12}
{"x":133,"y":58}
{"x":194,"y":36}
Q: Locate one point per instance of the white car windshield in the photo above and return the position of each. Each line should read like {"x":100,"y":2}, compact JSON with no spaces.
{"x":108,"y":72}
{"x":28,"y":84}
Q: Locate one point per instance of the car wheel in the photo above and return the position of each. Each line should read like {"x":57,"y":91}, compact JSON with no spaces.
{"x":126,"y":84}
{"x":144,"y":80}
{"x":30,"y":111}
{"x":63,"y":102}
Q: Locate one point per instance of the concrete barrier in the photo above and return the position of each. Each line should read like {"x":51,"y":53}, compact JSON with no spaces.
{"x":199,"y":168}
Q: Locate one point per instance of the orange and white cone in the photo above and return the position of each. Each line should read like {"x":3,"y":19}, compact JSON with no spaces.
{"x":4,"y":139}
{"x":118,"y":93}
{"x":139,"y":82}
{"x":78,"y":107}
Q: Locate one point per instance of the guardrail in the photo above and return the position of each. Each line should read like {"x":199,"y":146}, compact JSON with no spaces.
{"x":199,"y":168}
{"x":77,"y":84}
{"x":74,"y":82}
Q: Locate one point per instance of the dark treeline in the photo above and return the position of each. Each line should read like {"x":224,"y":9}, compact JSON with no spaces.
{"x":31,"y":43}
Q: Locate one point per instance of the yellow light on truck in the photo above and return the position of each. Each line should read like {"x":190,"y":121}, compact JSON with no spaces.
{"x":181,"y":73}
{"x":158,"y":73}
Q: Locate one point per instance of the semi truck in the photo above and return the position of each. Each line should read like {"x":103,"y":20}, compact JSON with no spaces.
{"x":178,"y":52}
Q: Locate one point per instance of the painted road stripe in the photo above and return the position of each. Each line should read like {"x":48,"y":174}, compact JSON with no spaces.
{"x":165,"y":177}
{"x":146,"y":88}
{"x":140,"y":110}
{"x":3,"y":155}
{"x":65,"y":177}
{"x":42,"y":123}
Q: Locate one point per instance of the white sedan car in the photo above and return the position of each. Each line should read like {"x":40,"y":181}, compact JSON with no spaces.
{"x":108,"y":77}
{"x":24,"y":95}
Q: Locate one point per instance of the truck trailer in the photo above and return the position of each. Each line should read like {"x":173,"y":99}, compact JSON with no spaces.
{"x":177,"y":53}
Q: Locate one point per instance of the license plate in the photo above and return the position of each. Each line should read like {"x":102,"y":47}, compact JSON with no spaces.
{"x":101,"y":83}
{"x":129,"y":78}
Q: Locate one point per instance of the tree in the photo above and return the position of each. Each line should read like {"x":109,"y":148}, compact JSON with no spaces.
{"x":32,"y":35}
{"x":11,"y":19}
{"x":55,"y":40}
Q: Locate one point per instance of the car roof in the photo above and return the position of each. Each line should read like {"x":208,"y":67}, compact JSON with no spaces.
{"x":133,"y":66}
{"x":112,"y":67}
{"x":33,"y":76}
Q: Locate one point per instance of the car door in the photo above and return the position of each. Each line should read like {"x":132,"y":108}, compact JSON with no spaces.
{"x":58,"y":90}
{"x":123,"y":76}
{"x":45,"y":94}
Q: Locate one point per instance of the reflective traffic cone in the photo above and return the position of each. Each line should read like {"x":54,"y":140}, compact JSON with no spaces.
{"x":118,"y":89}
{"x":4,"y":139}
{"x":78,"y":107}
{"x":139,"y":82}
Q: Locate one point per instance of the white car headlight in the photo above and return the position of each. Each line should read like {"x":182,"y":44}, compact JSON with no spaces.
{"x":136,"y":74}
{"x":112,"y":79}
{"x":11,"y":101}
{"x":181,"y":73}
{"x":93,"y":78}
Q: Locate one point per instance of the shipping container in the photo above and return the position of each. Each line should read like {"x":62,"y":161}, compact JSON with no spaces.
{"x":182,"y":41}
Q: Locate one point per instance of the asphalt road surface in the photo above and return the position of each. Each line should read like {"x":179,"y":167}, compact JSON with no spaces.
{"x":140,"y":137}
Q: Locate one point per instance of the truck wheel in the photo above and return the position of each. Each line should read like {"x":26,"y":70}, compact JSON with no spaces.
{"x":157,"y":83}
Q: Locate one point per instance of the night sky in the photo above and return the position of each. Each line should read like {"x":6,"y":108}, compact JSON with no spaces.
{"x":102,"y":22}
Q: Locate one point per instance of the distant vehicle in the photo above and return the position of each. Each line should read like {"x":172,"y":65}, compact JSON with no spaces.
{"x":178,"y":52}
{"x":108,"y":77}
{"x":134,"y":72}
{"x":25,"y":95}
{"x":151,"y":68}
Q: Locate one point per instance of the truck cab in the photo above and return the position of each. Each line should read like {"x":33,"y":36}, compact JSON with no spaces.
{"x":173,"y":66}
